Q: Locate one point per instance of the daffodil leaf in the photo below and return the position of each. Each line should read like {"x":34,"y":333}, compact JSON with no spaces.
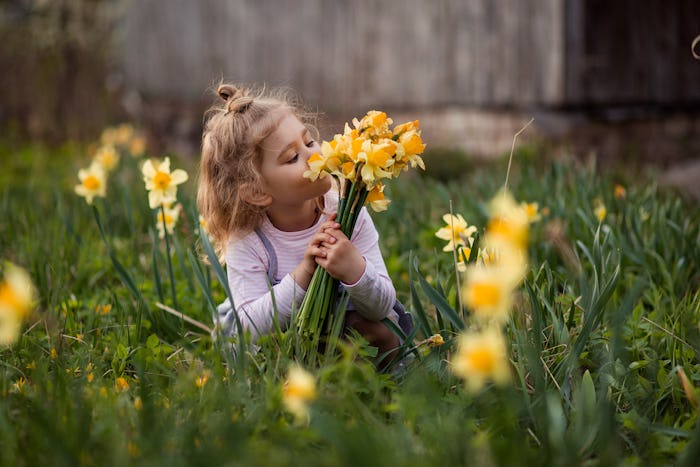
{"x":421,"y":316}
{"x":440,"y":302}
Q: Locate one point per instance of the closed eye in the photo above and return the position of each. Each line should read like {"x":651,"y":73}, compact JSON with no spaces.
{"x":310,"y":143}
{"x":293,"y":159}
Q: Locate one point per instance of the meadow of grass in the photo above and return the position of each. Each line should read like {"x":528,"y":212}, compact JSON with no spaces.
{"x":603,"y":340}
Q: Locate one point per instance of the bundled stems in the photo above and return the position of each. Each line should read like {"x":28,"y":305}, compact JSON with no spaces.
{"x":315,"y":314}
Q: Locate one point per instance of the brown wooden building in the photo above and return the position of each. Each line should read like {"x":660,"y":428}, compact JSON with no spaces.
{"x":614,"y":60}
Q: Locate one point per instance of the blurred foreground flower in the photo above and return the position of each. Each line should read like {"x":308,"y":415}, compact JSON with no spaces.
{"x":299,"y":389}
{"x":161,"y":183}
{"x":487,"y":292}
{"x":17,"y":295}
{"x":93,"y":182}
{"x":481,"y":357}
{"x":509,"y":221}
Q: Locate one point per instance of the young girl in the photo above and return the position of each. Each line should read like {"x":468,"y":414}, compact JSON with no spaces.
{"x":274,"y":226}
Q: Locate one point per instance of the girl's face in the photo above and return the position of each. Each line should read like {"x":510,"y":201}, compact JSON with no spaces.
{"x":284,"y":155}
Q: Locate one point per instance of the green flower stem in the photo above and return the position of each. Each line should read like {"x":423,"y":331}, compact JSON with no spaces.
{"x":170,"y":262}
{"x":315,"y":317}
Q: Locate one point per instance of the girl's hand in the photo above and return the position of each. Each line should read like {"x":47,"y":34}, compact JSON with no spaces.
{"x":340,"y":257}
{"x":304,"y":270}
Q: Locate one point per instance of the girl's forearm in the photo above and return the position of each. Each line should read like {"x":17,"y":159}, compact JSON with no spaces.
{"x":302,"y":275}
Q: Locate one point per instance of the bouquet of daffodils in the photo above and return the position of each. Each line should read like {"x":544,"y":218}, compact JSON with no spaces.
{"x":360,"y":160}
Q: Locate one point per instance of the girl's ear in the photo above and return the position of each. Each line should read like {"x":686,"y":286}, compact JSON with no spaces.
{"x":252,"y":195}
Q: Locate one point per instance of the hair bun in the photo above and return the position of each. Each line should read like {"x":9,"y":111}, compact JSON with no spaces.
{"x":227,"y":91}
{"x":237,"y":99}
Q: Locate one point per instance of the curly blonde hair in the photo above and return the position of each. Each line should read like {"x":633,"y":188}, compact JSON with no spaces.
{"x":230,"y":162}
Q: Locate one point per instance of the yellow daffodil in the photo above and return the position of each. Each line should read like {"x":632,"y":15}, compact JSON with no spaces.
{"x":456,"y":232}
{"x":16,"y":290}
{"x":377,"y":161}
{"x":202,"y":223}
{"x":171,"y":216}
{"x":317,"y":164}
{"x":436,"y":340}
{"x":137,"y":147}
{"x":376,"y":199}
{"x":509,"y":221}
{"x":93,"y":182}
{"x":161,"y":183}
{"x":600,"y":211}
{"x":481,"y":357}
{"x":374,"y":125}
{"x":620,"y":192}
{"x":487,"y":291}
{"x":109,"y":136}
{"x":107,"y":157}
{"x":121,"y":384}
{"x":123,"y":134}
{"x":408,"y":146}
{"x":488,"y":256}
{"x":461,"y":262}
{"x":532,"y":211}
{"x":10,"y":327}
{"x":202,"y":380}
{"x":299,"y":389}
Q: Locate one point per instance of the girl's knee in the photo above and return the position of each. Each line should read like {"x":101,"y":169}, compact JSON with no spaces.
{"x":376,"y":332}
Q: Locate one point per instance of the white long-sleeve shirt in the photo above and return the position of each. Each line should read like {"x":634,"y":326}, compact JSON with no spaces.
{"x":247,"y":264}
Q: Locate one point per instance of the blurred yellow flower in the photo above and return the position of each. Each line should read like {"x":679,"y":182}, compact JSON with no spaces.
{"x":456,"y":232}
{"x":121,"y":384}
{"x":487,"y":292}
{"x":123,"y":134}
{"x":299,"y":389}
{"x":202,"y":223}
{"x":161,"y":183}
{"x":18,"y":386}
{"x":436,"y":340}
{"x":93,"y":182}
{"x":17,"y":295}
{"x":509,"y":221}
{"x":137,"y":147}
{"x":201,"y":380}
{"x":480,"y":357}
{"x":600,"y":211}
{"x":171,"y":217}
{"x":106,"y":157}
{"x":620,"y":191}
{"x":531,"y":211}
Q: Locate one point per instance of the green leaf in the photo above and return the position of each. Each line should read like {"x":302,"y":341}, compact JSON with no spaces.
{"x":440,"y":302}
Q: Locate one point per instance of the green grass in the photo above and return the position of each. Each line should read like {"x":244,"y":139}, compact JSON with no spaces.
{"x":607,"y":315}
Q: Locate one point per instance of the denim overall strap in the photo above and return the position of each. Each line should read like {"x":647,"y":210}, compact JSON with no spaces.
{"x":272,"y":269}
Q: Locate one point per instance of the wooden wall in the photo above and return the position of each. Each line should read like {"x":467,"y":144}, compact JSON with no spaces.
{"x":347,"y":56}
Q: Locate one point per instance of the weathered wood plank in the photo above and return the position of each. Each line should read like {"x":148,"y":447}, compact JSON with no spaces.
{"x":346,"y":56}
